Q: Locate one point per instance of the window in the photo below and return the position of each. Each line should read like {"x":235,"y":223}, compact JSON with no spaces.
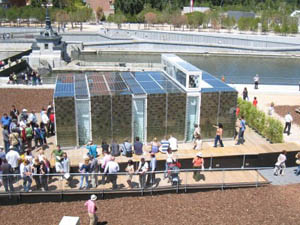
{"x":46,"y":46}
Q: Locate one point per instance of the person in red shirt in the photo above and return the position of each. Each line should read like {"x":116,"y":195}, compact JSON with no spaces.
{"x":52,"y":119}
{"x":237,"y":111}
{"x":255,"y":102}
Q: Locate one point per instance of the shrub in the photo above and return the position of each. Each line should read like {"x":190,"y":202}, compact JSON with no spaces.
{"x":265,"y":125}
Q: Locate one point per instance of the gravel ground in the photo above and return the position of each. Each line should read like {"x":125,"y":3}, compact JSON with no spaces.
{"x":282,"y":110}
{"x":30,"y":99}
{"x":266,"y":205}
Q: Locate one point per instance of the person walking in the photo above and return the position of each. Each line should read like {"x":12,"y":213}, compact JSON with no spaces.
{"x":112,"y":169}
{"x":198,"y":163}
{"x":242,"y":128}
{"x":256,"y":81}
{"x":219,"y":134}
{"x":91,"y":209}
{"x":288,"y":123}
{"x":94,"y":171}
{"x":198,"y":143}
{"x":245,"y":94}
{"x":280,"y":164}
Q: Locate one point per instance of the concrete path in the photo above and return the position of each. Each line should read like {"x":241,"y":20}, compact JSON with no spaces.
{"x":289,"y":176}
{"x":280,"y":95}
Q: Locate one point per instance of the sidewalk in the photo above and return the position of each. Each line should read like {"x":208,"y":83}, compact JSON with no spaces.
{"x":288,"y":178}
{"x":280,"y":95}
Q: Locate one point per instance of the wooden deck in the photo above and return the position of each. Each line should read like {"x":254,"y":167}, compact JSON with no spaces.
{"x":208,"y":179}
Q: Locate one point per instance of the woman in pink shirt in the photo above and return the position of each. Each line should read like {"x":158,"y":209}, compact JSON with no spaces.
{"x":92,"y":208}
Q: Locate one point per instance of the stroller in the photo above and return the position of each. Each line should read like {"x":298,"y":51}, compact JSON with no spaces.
{"x":173,"y":174}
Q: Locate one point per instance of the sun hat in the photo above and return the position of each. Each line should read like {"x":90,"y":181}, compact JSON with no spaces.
{"x":93,"y":197}
{"x":199,"y":154}
{"x":11,"y":147}
{"x":24,"y":110}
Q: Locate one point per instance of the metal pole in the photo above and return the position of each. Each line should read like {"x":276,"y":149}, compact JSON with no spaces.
{"x":211,"y":159}
{"x":244,"y":159}
{"x":223,"y":179}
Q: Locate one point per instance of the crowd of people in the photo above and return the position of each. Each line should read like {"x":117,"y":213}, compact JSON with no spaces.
{"x":27,"y":78}
{"x":22,"y":133}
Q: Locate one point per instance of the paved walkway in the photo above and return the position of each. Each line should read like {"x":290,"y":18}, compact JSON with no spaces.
{"x":288,"y":178}
{"x":280,"y":95}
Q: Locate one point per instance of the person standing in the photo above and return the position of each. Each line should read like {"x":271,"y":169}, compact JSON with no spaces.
{"x":29,"y":135}
{"x":5,"y":135}
{"x":84,"y":169}
{"x":112,"y":169}
{"x":26,"y":173}
{"x":36,"y":168}
{"x":288,"y":123}
{"x":12,"y":158}
{"x":255,"y":102}
{"x":197,"y":131}
{"x":256,"y":81}
{"x":130,"y":171}
{"x":152,"y":168}
{"x":280,"y":164}
{"x":245,"y":94}
{"x":94,"y":171}
{"x":106,"y":158}
{"x":142,"y":170}
{"x":297,"y":172}
{"x":7,"y":178}
{"x":58,"y":153}
{"x":219,"y":134}
{"x":14,"y":113}
{"x":91,"y":209}
{"x":5,"y":120}
{"x":114,"y":148}
{"x":242,"y":128}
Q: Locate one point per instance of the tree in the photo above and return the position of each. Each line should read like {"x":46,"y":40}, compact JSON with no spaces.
{"x":61,"y":17}
{"x":99,"y":14}
{"x":294,"y":28}
{"x":150,"y":18}
{"x":117,"y":18}
{"x":131,"y":7}
{"x":195,"y":19}
{"x":228,"y":22}
{"x":179,"y":20}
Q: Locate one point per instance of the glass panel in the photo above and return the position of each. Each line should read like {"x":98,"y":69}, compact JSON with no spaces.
{"x":83,"y":121}
{"x":138,"y":109}
{"x":176,"y":115}
{"x":192,"y":117}
{"x":65,"y":121}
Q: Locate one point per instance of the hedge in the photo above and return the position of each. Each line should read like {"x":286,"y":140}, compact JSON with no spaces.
{"x":267,"y":126}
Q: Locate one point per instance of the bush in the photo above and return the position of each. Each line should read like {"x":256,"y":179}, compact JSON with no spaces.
{"x":265,"y":125}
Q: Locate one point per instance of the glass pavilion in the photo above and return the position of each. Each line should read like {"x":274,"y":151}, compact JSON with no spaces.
{"x":124,"y":105}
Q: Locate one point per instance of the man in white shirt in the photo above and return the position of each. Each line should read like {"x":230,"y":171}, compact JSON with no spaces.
{"x":45,"y":120}
{"x":288,"y":123}
{"x":256,"y":80}
{"x":112,"y":168}
{"x":12,"y":158}
{"x":142,"y":170}
{"x":173,"y":143}
{"x":280,"y":164}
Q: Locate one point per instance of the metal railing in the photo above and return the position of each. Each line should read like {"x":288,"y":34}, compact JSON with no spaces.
{"x":183,"y":179}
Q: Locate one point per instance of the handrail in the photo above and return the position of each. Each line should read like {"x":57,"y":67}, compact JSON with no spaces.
{"x":149,"y":172}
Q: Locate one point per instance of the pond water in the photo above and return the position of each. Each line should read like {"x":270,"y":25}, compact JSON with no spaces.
{"x":236,"y":69}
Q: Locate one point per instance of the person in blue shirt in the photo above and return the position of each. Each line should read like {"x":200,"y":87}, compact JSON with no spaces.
{"x":242,"y":129}
{"x":5,"y":120}
{"x":92,"y":149}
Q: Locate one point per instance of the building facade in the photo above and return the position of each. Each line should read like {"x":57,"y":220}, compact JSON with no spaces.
{"x":124,"y":105}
